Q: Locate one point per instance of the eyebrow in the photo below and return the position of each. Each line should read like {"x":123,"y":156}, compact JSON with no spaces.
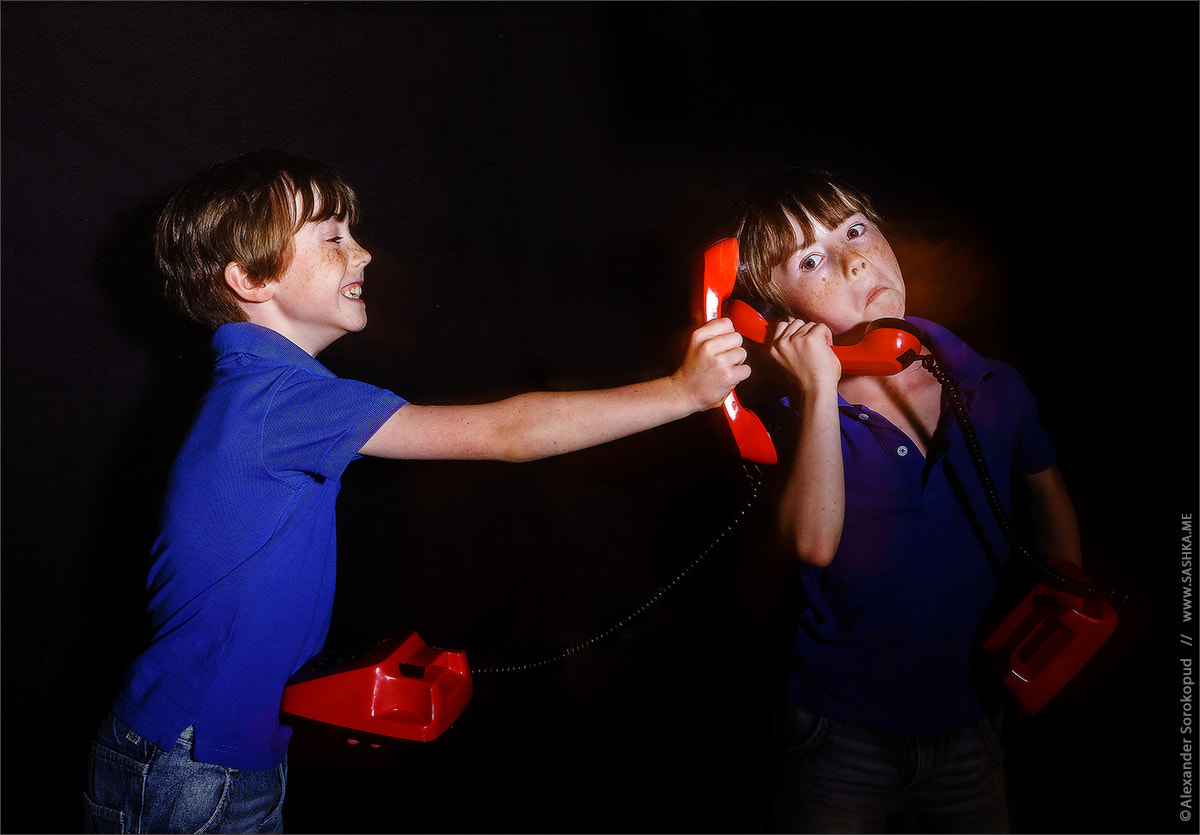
{"x":805,"y":246}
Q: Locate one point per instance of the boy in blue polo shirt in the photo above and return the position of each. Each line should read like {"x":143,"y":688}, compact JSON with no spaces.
{"x":896,"y":550}
{"x":241,"y":588}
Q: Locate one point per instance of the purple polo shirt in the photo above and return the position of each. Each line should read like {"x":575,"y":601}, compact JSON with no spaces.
{"x":241,"y":588}
{"x":890,"y":624}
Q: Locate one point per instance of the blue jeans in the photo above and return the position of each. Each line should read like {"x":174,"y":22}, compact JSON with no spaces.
{"x":831,"y":776}
{"x":135,"y":786}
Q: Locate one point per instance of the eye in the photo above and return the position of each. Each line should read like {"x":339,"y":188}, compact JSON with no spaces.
{"x":856,"y":231}
{"x":810,"y":263}
{"x":336,"y":239}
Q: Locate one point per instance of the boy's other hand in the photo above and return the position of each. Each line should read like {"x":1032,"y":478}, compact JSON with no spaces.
{"x":714,"y":364}
{"x":805,"y":351}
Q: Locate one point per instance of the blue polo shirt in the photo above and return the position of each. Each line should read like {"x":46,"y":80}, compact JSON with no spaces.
{"x":241,"y":587}
{"x":890,"y":624}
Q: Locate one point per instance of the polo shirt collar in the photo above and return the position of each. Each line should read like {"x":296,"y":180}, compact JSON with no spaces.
{"x":968,"y":367}
{"x":249,"y":338}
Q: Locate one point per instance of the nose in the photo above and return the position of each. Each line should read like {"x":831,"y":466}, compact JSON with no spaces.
{"x":856,"y":264}
{"x":361,"y":257}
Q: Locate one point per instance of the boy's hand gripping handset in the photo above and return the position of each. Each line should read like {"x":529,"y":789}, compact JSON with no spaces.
{"x":888,"y":346}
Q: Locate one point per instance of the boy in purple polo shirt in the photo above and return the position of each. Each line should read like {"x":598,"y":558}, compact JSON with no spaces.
{"x":896,"y":550}
{"x":241,"y":588}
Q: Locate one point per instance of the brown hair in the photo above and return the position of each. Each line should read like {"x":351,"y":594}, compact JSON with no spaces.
{"x":764,"y":221}
{"x":247,"y":210}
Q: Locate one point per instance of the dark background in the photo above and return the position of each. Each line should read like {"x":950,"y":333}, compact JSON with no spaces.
{"x":538,"y":181}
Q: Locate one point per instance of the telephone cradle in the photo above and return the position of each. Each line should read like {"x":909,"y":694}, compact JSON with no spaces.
{"x":1043,"y":643}
{"x":1059,"y":625}
{"x":396,"y":688}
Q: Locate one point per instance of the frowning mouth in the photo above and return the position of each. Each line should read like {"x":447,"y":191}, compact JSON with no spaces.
{"x":874,"y":294}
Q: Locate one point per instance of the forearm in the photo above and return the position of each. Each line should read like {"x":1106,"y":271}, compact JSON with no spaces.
{"x":537,"y":425}
{"x":812,"y":508}
{"x":1055,"y":525}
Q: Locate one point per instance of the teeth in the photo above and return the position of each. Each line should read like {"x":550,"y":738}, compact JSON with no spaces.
{"x":354,"y":292}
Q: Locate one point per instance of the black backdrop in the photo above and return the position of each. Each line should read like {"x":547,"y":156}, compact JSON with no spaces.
{"x":538,"y":180}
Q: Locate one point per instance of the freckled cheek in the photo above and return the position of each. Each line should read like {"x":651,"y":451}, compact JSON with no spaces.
{"x":810,"y":298}
{"x":822,"y":291}
{"x":310,"y":279}
{"x":881,"y":253}
{"x":334,"y":259}
{"x":320,"y":272}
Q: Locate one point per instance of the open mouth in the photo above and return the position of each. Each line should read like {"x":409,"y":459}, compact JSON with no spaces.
{"x":353,"y":291}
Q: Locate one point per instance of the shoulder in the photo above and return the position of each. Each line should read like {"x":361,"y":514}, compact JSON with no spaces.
{"x":280,"y":376}
{"x":964,"y":362}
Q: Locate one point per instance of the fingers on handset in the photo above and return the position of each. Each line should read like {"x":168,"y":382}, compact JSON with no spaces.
{"x":804,"y":349}
{"x":719,"y":347}
{"x":798,"y":329}
{"x":717,"y":335}
{"x":715,"y":327}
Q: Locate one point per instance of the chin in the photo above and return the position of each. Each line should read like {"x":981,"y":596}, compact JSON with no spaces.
{"x":885,"y":311}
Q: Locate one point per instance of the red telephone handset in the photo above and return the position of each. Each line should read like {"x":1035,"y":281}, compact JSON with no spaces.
{"x":888,"y":346}
{"x":720,"y":275}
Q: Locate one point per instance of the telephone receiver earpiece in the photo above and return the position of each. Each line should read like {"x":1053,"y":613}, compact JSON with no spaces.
{"x":888,"y":346}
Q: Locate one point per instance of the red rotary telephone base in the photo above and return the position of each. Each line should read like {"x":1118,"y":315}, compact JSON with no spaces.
{"x":378,"y":697}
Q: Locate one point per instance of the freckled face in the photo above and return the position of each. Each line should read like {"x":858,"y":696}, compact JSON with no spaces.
{"x":844,"y":278}
{"x":318,"y":293}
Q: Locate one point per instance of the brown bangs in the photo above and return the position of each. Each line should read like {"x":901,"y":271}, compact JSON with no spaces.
{"x":300,"y":193}
{"x":828,"y":207}
{"x":766,"y":238}
{"x":321,"y":195}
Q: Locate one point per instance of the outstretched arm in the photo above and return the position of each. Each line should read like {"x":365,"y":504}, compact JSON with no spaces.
{"x":537,"y":425}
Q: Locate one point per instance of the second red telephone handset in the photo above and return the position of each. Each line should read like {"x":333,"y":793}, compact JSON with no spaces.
{"x":720,"y":276}
{"x":888,"y":346}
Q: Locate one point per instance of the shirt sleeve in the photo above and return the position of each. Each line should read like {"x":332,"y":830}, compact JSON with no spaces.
{"x":1032,"y":449}
{"x":318,"y":424}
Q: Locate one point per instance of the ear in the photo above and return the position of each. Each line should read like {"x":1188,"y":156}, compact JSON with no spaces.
{"x":247,"y":289}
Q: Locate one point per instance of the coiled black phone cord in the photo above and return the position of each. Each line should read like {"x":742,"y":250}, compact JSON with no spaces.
{"x":1057,"y":578}
{"x":754,"y":479}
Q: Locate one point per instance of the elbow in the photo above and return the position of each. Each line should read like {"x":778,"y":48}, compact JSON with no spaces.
{"x":511,"y":454}
{"x":817,"y":557}
{"x":520,"y":457}
{"x":815,"y":551}
{"x":524,"y":453}
{"x":516,"y":445}
{"x":523,"y":447}
{"x":526,"y":439}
